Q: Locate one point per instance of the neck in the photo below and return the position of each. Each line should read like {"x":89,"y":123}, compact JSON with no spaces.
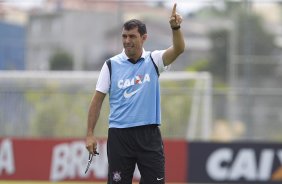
{"x":135,"y":57}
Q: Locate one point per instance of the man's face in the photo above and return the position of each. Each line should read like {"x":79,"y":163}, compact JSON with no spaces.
{"x":133,"y":42}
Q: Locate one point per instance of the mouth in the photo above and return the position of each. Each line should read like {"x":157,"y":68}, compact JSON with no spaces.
{"x":128,"y":46}
{"x":129,"y":49}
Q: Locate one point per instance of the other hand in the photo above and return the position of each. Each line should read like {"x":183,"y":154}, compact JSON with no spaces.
{"x":91,"y":144}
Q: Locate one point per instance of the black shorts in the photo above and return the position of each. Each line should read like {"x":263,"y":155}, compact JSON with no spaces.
{"x":141,"y":145}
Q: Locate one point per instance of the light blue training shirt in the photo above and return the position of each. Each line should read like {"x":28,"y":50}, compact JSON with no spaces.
{"x":134,"y":92}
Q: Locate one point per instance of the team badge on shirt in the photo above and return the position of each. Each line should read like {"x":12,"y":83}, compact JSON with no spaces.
{"x":116,"y":176}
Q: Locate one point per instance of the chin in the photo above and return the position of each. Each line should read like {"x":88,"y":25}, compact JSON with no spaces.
{"x":129,"y":53}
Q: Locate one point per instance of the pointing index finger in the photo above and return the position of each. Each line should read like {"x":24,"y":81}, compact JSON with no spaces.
{"x":173,"y":10}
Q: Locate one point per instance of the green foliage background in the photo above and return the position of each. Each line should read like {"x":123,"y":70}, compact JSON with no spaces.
{"x":64,"y":113}
{"x":61,"y":60}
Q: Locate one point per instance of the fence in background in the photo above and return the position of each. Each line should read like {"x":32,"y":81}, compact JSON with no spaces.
{"x":55,"y":104}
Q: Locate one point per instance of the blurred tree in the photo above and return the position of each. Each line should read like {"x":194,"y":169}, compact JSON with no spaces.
{"x":174,"y":120}
{"x":253,"y":42}
{"x":219,"y":58}
{"x":64,"y":114}
{"x":58,"y":114}
{"x":232,"y":7}
{"x":199,"y":65}
{"x":252,"y":51}
{"x":61,"y":60}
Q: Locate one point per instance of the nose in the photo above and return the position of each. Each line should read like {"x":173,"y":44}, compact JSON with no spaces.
{"x":127,"y":40}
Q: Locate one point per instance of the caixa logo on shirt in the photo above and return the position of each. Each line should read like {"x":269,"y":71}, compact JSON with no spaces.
{"x":247,"y":164}
{"x":138,"y":79}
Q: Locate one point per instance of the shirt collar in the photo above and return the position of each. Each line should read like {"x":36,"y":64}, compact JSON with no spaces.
{"x":124,"y":56}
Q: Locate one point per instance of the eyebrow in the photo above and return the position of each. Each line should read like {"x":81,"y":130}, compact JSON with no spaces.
{"x":130,"y":35}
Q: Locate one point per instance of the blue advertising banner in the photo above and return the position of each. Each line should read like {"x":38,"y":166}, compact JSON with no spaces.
{"x":234,"y":163}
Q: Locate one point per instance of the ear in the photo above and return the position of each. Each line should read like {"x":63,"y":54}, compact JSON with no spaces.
{"x":144,"y":37}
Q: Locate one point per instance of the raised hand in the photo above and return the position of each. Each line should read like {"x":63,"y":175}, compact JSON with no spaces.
{"x":175,"y":18}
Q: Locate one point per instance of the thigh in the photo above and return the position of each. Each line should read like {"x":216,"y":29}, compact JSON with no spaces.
{"x":152,"y":170}
{"x":120,"y":157}
{"x":151,"y":160}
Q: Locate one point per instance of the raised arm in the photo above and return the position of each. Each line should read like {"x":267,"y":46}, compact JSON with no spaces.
{"x":178,"y":44}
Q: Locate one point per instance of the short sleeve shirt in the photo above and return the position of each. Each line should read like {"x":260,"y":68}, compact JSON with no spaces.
{"x":103,"y":83}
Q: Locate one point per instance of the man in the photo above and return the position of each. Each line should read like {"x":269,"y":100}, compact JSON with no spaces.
{"x":131,"y":79}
